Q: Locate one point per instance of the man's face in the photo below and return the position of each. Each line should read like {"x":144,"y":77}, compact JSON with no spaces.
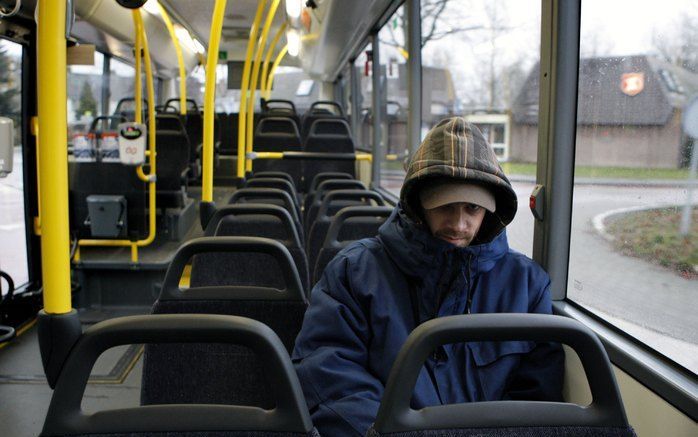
{"x":456,"y":223}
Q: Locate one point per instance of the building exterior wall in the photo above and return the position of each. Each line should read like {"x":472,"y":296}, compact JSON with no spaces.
{"x":611,"y":146}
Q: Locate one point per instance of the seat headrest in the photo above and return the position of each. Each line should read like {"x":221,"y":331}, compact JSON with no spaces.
{"x":333,"y":127}
{"x":277,"y":125}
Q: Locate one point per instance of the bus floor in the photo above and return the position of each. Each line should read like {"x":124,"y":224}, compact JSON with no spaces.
{"x":115,"y":382}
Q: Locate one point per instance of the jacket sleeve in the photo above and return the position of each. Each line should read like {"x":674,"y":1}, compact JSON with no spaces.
{"x":331,"y":356}
{"x":541,"y":371}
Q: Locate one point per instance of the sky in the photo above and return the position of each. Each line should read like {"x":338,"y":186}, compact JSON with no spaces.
{"x":609,"y":27}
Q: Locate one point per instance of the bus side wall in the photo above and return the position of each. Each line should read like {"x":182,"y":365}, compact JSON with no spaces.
{"x":648,"y":414}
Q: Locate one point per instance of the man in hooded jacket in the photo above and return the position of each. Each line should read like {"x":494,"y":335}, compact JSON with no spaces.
{"x":442,"y":252}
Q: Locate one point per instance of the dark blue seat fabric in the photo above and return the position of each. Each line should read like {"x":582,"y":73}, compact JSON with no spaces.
{"x":252,"y":220}
{"x":314,"y":201}
{"x":349,"y":224}
{"x":323,"y":109}
{"x":277,"y":134}
{"x":222,"y":373}
{"x":272,"y":196}
{"x":281,"y":184}
{"x":328,"y":136}
{"x":288,"y":415}
{"x":331,"y":204}
{"x":89,"y":178}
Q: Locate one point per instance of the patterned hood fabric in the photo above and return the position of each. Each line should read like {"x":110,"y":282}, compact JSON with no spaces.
{"x":457,"y":149}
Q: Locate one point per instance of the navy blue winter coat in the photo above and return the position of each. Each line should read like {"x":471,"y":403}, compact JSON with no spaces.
{"x":361,"y":314}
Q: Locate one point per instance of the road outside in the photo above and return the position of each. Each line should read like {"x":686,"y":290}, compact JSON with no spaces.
{"x":654,"y":304}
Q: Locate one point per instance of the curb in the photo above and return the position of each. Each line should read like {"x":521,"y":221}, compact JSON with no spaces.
{"x":598,"y":220}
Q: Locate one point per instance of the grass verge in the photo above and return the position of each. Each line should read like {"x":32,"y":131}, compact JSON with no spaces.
{"x":529,"y":169}
{"x":653,"y":235}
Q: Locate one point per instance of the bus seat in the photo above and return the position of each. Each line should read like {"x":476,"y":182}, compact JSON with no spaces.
{"x":281,"y":108}
{"x":281,"y":184}
{"x":328,"y":136}
{"x":320,"y":109}
{"x":331,"y":204}
{"x":277,"y":134}
{"x":107,"y":178}
{"x":252,"y":220}
{"x":313,"y":202}
{"x":349,"y":224}
{"x":605,"y":416}
{"x":290,"y":416}
{"x":272,"y":196}
{"x":315,"y":183}
{"x":228,"y":375}
{"x":172,"y":165}
{"x":194,"y":125}
{"x":274,"y":174}
{"x":228,"y":128}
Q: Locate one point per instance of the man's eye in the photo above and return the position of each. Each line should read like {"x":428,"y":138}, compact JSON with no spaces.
{"x":473,"y":208}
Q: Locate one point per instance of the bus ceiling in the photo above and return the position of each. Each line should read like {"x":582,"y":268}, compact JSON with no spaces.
{"x":332,"y":32}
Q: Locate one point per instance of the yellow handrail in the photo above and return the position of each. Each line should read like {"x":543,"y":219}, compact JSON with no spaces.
{"x":272,"y":72}
{"x":255,"y":77}
{"x":280,"y":155}
{"x":180,"y":61}
{"x":138,"y":92}
{"x":242,"y":120}
{"x":150,"y":178}
{"x":210,"y":99}
{"x":53,"y":162}
{"x":267,"y":58}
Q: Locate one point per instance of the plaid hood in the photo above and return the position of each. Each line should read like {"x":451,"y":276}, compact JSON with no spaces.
{"x":457,"y":149}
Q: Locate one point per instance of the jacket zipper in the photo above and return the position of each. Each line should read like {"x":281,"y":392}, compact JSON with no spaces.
{"x":469,"y":302}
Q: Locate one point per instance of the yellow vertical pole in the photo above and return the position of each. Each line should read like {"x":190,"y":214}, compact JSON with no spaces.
{"x":272,"y":72}
{"x":267,"y":58}
{"x":255,"y":78}
{"x":53,"y":162}
{"x":242,"y":117}
{"x":138,"y":91}
{"x":214,"y":41}
{"x":152,"y":146}
{"x":180,"y":61}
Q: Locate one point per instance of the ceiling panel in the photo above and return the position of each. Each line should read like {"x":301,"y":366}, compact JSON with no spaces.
{"x":239,"y":15}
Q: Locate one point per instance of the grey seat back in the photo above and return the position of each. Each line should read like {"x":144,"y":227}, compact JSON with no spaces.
{"x":279,"y":183}
{"x":315,"y":183}
{"x":274,"y":174}
{"x":251,"y":220}
{"x":313,"y":201}
{"x":288,"y":417}
{"x":277,"y":134}
{"x":227,"y":374}
{"x":604,"y":417}
{"x":322,"y":109}
{"x":331,"y":204}
{"x":328,"y":136}
{"x":349,"y":224}
{"x":272,"y":196}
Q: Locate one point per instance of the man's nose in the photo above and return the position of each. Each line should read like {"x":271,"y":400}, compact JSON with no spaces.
{"x":460,"y":221}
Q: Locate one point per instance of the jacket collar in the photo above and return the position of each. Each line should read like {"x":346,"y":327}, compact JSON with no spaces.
{"x":417,"y":252}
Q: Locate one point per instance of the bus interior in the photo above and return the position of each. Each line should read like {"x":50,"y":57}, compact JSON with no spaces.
{"x":175,"y":176}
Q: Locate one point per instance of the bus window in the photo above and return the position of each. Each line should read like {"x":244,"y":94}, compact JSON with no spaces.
{"x":121,"y":82}
{"x":292,"y":83}
{"x":395,"y":99}
{"x":630,"y":263}
{"x":13,"y":250}
{"x":490,"y":79}
{"x":84,"y":95}
{"x":363,"y":65}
